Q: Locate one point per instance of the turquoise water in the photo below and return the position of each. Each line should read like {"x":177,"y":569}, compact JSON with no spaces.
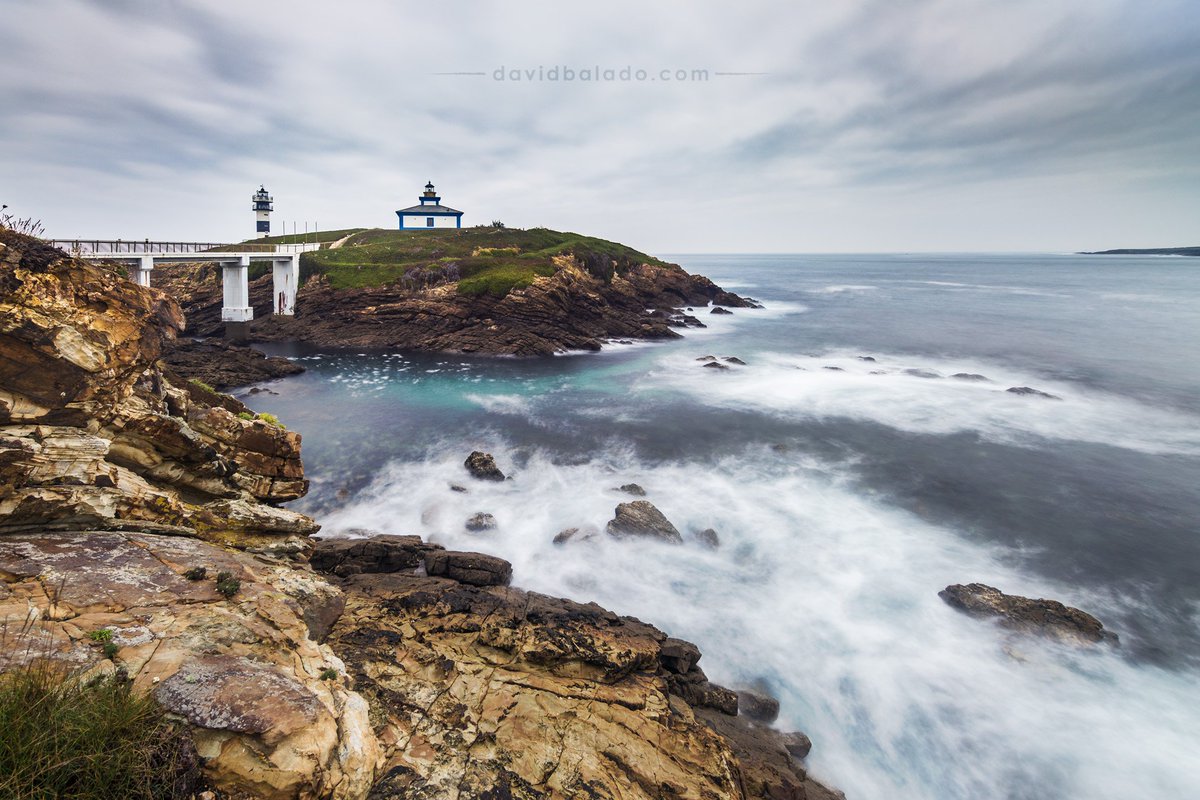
{"x":846,"y":498}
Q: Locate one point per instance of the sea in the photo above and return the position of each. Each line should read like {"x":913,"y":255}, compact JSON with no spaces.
{"x":850,"y":476}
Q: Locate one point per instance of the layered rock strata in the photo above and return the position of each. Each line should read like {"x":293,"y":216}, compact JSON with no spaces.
{"x":570,"y":310}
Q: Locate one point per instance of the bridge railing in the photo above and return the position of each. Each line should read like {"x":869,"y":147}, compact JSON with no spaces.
{"x":120,"y":247}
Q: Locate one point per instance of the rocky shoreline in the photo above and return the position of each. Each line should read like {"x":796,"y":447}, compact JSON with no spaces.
{"x":138,"y":503}
{"x":147,"y":507}
{"x":572,"y":309}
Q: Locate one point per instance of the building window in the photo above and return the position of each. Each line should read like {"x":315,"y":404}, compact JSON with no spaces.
{"x":429,"y":222}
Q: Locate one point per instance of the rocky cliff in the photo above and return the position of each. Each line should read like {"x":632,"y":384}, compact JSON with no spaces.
{"x":571,"y":300}
{"x":143,"y":511}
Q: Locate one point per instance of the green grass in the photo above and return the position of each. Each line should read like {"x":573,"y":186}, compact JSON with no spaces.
{"x":301,"y":238}
{"x":63,"y":739}
{"x":500,"y":259}
{"x":499,"y":280}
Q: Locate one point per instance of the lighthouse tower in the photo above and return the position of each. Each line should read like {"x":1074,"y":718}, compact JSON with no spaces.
{"x":262,"y":212}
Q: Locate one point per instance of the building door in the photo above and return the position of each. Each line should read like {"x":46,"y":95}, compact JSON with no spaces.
{"x":429,"y":222}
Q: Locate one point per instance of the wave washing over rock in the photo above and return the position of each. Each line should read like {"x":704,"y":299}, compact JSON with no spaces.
{"x":139,"y":503}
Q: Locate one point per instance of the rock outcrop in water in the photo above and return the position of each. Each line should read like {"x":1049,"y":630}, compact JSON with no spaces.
{"x":1047,"y":617}
{"x":643,"y":519}
{"x":146,"y":507}
{"x":224,"y":366}
{"x":573,"y":309}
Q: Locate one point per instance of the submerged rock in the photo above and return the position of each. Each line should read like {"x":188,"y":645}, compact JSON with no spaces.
{"x":585,"y":534}
{"x":969,"y":376}
{"x":1031,"y":392}
{"x":480,"y":522}
{"x":867,"y":358}
{"x":719,"y":310}
{"x":715,"y":365}
{"x":633,"y":489}
{"x":707,"y":358}
{"x":641,"y":518}
{"x":923,"y":373}
{"x":482,"y":466}
{"x":1048,"y":617}
{"x":709,"y":538}
{"x":835,"y":369}
{"x":735,"y":360}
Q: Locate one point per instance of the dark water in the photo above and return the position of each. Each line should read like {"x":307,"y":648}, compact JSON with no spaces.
{"x":846,"y":498}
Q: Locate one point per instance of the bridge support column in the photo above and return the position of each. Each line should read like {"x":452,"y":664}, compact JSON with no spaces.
{"x":141,"y":271}
{"x":286,"y":279}
{"x":236,"y":311}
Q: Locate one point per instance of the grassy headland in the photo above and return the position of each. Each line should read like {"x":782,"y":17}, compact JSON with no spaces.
{"x":481,"y":260}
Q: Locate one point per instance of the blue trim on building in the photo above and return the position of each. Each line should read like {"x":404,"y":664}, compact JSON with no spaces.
{"x":427,"y":215}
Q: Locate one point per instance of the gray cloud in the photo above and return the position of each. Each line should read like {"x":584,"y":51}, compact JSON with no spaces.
{"x":156,"y":118}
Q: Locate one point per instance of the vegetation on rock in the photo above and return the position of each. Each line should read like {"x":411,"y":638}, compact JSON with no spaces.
{"x":66,"y":737}
{"x":498,"y":258}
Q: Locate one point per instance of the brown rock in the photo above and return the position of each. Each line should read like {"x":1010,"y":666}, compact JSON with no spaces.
{"x":797,"y":744}
{"x":1048,"y":617}
{"x":519,"y":680}
{"x":757,"y":706}
{"x":475,"y":569}
{"x":483,"y":466}
{"x":95,"y":435}
{"x":642,"y":518}
{"x":243,"y":672}
{"x":480,"y":522}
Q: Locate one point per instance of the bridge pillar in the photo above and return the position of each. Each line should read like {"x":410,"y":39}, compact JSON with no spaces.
{"x":236,"y":311}
{"x":286,"y":277}
{"x":141,"y":271}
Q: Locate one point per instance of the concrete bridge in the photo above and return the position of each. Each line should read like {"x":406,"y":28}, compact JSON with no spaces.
{"x":236,"y":311}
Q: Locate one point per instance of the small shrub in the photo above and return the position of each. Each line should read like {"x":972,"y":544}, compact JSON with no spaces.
{"x":246,"y":415}
{"x":271,"y":419}
{"x":111,"y":649}
{"x":329,"y":674}
{"x":227,"y":584}
{"x":202,"y":385}
{"x":196,"y":574}
{"x":497,"y":224}
{"x":103,"y":635}
{"x":64,"y":738}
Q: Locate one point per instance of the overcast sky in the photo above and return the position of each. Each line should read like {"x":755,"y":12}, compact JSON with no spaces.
{"x":886,"y":125}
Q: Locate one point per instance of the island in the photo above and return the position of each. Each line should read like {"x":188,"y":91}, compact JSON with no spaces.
{"x":486,"y":290}
{"x":1149,"y":251}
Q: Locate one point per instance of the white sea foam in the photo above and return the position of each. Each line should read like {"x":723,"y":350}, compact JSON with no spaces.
{"x":842,"y":289}
{"x":799,"y":386}
{"x":987,"y":287}
{"x":831,"y":598}
{"x":501,"y":403}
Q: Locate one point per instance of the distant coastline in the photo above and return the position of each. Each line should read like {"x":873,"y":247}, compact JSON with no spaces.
{"x":1150,"y":251}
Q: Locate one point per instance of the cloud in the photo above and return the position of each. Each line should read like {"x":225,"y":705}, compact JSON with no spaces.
{"x":875,"y":122}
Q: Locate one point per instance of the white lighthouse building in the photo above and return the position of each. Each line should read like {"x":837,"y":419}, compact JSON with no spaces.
{"x":429,"y":213}
{"x":263,"y":206}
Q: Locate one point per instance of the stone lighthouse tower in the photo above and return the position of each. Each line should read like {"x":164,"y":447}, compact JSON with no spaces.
{"x":262,"y":212}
